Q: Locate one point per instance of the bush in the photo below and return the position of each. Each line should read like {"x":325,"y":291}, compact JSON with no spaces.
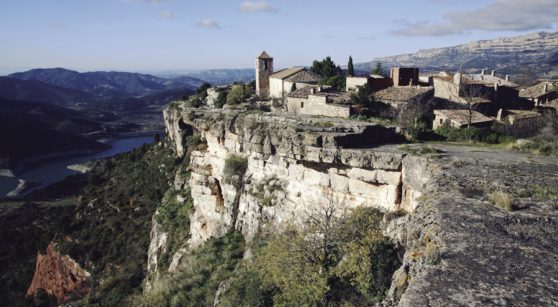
{"x":501,"y":200}
{"x":235,"y":165}
{"x":473,"y":134}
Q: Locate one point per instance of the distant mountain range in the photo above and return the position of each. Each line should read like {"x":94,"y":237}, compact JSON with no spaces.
{"x":108,"y":84}
{"x":217,"y":76}
{"x":37,"y":91}
{"x":535,"y":53}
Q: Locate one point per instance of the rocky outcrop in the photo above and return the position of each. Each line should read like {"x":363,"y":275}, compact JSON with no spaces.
{"x":59,"y":276}
{"x":294,"y":166}
{"x":459,"y":248}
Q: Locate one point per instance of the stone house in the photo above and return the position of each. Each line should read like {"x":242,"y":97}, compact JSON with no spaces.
{"x":375,"y":82}
{"x":404,"y":76}
{"x":488,"y":93}
{"x":540,"y":94}
{"x":317,"y":100}
{"x":398,"y":97}
{"x":460,"y":119}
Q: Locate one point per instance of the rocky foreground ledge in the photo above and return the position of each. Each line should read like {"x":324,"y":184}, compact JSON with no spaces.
{"x":479,"y":227}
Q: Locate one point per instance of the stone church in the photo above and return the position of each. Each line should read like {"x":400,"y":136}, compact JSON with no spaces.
{"x":279,"y":84}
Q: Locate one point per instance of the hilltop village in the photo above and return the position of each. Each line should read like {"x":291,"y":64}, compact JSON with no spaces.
{"x":415,"y":101}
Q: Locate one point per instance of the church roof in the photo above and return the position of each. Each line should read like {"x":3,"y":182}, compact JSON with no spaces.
{"x":285,"y":73}
{"x":264,"y":55}
{"x":304,"y":76}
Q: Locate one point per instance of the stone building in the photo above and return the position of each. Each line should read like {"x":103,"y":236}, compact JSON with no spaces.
{"x":404,"y":76}
{"x":264,"y":69}
{"x":488,"y":92}
{"x":317,"y":100}
{"x":375,"y":82}
{"x":460,"y":119}
{"x":398,"y":97}
{"x":540,"y":94}
{"x":281,"y":82}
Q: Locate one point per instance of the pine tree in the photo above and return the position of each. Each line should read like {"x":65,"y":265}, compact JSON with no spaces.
{"x":351,"y":67}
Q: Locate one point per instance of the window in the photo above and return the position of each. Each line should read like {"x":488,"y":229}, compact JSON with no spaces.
{"x":265,"y":64}
{"x":302,"y":104}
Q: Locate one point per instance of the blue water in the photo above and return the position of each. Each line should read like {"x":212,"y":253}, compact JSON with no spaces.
{"x":52,"y":172}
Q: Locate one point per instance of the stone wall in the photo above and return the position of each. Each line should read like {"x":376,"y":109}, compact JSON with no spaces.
{"x":316,"y":105}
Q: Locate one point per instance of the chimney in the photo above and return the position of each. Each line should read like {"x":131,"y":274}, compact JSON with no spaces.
{"x":483,"y":72}
{"x":493,"y":73}
{"x":313,"y":90}
{"x":499,"y":116}
{"x":545,"y":88}
{"x":507,"y":78}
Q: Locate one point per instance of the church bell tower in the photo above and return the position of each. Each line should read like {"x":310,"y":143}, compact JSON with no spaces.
{"x":264,"y":69}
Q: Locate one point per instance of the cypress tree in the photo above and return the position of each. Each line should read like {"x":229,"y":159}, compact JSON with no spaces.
{"x":351,"y":67}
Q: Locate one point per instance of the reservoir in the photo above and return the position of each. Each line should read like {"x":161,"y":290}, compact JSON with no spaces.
{"x":54,"y":171}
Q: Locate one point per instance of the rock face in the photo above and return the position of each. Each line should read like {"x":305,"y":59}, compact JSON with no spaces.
{"x":60,"y":276}
{"x":538,"y":51}
{"x":459,"y":248}
{"x":294,"y":166}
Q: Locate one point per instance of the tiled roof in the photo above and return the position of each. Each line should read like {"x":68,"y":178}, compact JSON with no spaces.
{"x":285,"y":73}
{"x":537,"y":90}
{"x":461,"y":116}
{"x":304,"y":77}
{"x":402,"y":93}
{"x":264,"y":55}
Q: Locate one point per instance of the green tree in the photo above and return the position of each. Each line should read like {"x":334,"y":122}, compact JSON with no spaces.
{"x":334,"y":259}
{"x":202,"y":90}
{"x":326,"y":68}
{"x":378,"y":70}
{"x":351,"y":68}
{"x":238,"y":94}
{"x":362,"y":96}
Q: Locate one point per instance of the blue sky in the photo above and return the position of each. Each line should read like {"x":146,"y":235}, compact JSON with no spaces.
{"x":156,"y":35}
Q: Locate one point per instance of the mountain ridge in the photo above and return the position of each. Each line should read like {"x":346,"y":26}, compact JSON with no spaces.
{"x":108,"y":83}
{"x":537,"y":52}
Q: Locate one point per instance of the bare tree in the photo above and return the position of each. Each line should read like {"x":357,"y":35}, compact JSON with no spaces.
{"x":467,"y":95}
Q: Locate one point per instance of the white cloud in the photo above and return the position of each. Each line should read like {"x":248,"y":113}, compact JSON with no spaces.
{"x":209,"y":24}
{"x":256,"y":6}
{"x":500,"y":15}
{"x":167,"y":15}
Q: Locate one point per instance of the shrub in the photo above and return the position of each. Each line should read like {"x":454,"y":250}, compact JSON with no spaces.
{"x":235,"y":165}
{"x":501,"y":200}
{"x":473,"y":134}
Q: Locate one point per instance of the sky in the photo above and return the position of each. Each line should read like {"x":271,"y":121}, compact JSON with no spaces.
{"x":166,"y":35}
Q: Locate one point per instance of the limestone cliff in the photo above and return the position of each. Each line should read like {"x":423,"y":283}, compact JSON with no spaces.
{"x":451,"y":234}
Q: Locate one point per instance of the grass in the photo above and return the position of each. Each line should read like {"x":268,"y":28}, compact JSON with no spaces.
{"x":539,"y":147}
{"x":501,"y":200}
{"x":421,"y":150}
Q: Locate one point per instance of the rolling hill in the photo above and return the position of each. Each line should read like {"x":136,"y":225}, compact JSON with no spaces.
{"x":108,"y":84}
